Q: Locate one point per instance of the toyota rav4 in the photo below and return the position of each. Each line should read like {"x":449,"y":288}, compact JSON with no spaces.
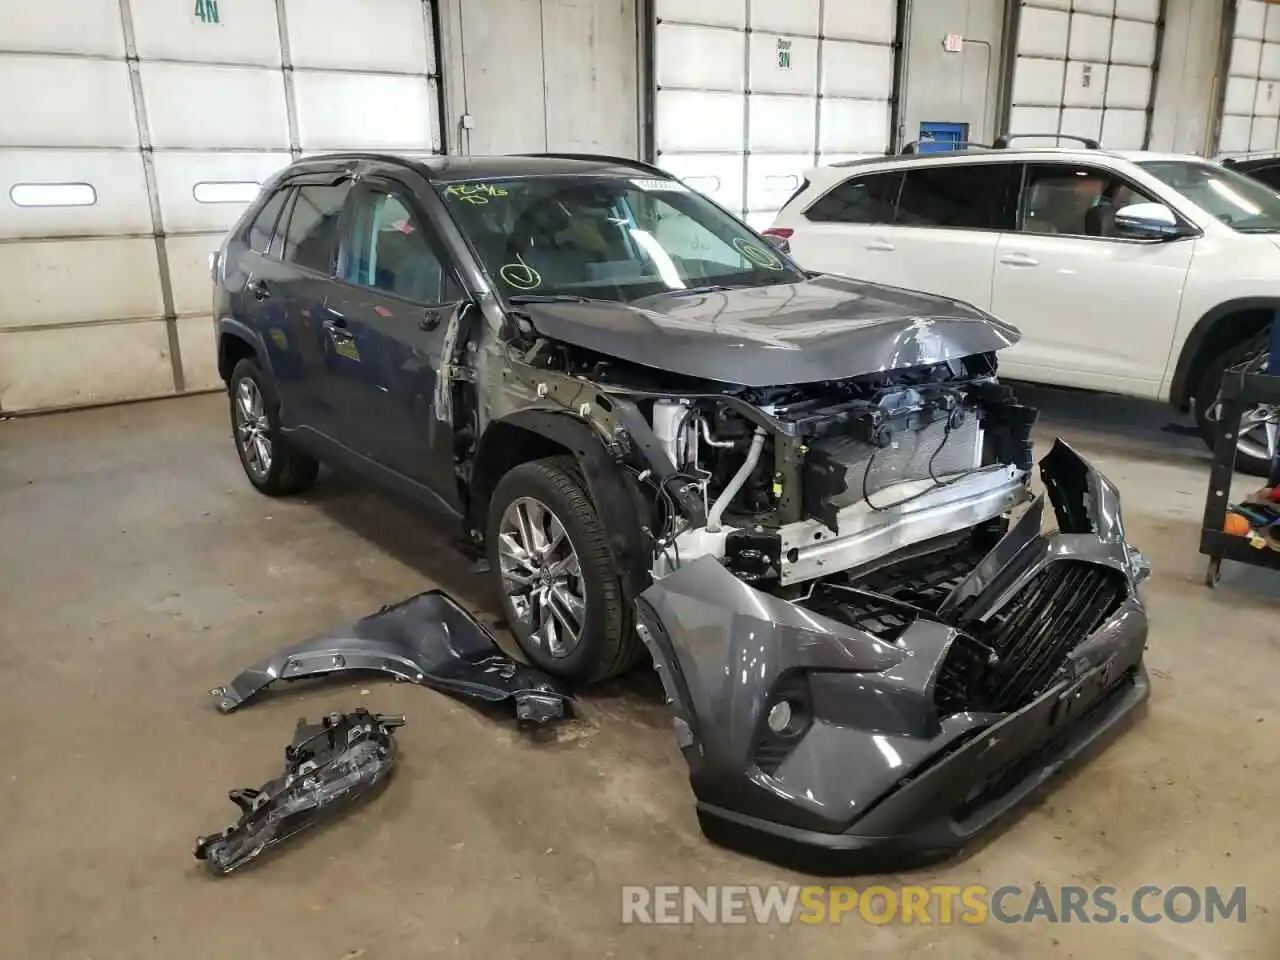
{"x":795,"y":491}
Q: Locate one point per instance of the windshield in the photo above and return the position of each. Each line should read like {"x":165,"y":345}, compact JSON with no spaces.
{"x":1238,"y":201}
{"x":609,"y":238}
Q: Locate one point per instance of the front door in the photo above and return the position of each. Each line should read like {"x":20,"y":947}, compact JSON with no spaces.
{"x":392,"y":307}
{"x":1096,"y":309}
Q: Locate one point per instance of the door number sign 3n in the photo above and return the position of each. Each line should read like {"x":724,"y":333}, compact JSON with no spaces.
{"x":784,"y":54}
{"x":207,"y":11}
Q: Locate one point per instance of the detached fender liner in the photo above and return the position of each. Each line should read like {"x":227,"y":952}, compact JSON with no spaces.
{"x":427,"y":639}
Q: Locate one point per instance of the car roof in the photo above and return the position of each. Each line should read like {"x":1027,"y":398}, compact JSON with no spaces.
{"x":455,"y":169}
{"x":1016,"y":154}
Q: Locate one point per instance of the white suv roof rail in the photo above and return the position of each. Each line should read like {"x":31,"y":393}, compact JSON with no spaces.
{"x":1002,"y":142}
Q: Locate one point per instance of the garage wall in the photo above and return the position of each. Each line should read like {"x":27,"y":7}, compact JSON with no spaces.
{"x":1188,"y":87}
{"x":133,"y":133}
{"x":1086,"y":68}
{"x":1251,"y":99}
{"x":960,"y":87}
{"x":749,"y":93}
{"x":529,"y":76}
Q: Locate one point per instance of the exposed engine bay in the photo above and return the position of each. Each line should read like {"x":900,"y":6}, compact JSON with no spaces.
{"x":784,"y":485}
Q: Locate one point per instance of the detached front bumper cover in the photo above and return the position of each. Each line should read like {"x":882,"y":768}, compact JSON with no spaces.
{"x":816,"y":744}
{"x":328,"y":765}
{"x":426,"y":639}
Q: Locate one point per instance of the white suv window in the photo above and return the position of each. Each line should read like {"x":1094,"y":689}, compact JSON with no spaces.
{"x":872,"y":198}
{"x":1075,"y":200}
{"x":1240,"y":202}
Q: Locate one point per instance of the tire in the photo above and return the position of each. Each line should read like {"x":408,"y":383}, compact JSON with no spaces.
{"x":290,"y":470}
{"x":606,"y":644}
{"x":1206,"y":395}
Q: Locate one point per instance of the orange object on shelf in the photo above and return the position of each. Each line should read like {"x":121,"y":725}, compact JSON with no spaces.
{"x":1236,"y":525}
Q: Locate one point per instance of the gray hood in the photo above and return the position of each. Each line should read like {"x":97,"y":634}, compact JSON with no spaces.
{"x":827,"y":328}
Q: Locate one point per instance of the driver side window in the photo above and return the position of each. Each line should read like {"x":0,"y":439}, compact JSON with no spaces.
{"x":1076,"y":200}
{"x":391,"y":252}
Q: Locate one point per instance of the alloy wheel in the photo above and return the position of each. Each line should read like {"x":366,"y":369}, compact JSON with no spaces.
{"x":541,"y":576}
{"x":252,"y":429}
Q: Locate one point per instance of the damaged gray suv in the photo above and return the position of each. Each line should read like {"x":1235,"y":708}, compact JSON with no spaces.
{"x":806,"y":497}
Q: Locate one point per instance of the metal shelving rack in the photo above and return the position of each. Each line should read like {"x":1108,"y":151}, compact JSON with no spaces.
{"x":1239,"y":391}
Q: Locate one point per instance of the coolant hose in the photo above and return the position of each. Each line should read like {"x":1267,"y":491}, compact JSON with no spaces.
{"x":729,"y":492}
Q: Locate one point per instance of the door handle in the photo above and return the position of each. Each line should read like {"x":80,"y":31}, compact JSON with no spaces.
{"x":336,"y":327}
{"x":259,"y":289}
{"x":1020,"y":260}
{"x":430,"y":319}
{"x":882,"y":245}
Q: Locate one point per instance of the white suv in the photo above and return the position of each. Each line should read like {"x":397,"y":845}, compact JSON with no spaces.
{"x":1135,"y":273}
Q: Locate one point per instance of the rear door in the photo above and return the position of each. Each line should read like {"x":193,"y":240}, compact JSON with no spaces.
{"x":847,"y":230}
{"x":305,"y":251}
{"x":948,"y":224}
{"x":390,"y":314}
{"x":1096,"y":308}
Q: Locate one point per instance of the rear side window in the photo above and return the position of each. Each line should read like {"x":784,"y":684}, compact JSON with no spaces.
{"x":867,"y":199}
{"x":1270,"y":175}
{"x":311,"y":239}
{"x":978,"y":196}
{"x":264,"y":224}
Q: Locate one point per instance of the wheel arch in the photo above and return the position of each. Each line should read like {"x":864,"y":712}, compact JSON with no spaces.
{"x":538,"y":433}
{"x":237,"y":341}
{"x":1230,"y":323}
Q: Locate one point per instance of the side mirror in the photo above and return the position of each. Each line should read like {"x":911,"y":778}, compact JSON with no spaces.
{"x":1152,"y":221}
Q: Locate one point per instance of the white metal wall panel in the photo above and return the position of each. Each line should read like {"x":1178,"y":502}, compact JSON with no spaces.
{"x":1251,"y":99}
{"x":246,"y":32}
{"x":66,"y":102}
{"x":205,"y":107}
{"x":63,"y":26}
{"x":69,"y":281}
{"x":1086,"y":68}
{"x":68,"y":366}
{"x":115,"y":176}
{"x":142,"y":128}
{"x":350,"y":110}
{"x":752,"y":92}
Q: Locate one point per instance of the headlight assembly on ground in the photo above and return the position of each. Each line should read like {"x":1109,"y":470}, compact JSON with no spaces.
{"x":938,"y":904}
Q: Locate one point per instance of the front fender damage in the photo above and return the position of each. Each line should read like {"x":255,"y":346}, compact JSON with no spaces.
{"x":817,"y":743}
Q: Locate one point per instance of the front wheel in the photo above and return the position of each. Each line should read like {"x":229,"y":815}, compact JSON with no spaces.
{"x":1259,"y":425}
{"x":560,"y":592}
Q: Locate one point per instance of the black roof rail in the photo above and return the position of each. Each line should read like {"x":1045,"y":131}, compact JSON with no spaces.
{"x":914,"y":145}
{"x":1002,"y":142}
{"x":621,"y":161}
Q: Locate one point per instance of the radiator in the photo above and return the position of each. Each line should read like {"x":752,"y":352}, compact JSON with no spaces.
{"x":838,"y":465}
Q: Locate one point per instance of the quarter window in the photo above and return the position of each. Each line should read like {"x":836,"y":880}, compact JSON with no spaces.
{"x":264,"y":224}
{"x":313,"y":226}
{"x":390,"y":252}
{"x":1076,"y":201}
{"x":975,"y":196}
{"x":867,"y":199}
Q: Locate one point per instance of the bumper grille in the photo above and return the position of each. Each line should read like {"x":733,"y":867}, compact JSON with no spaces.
{"x":1015,"y":656}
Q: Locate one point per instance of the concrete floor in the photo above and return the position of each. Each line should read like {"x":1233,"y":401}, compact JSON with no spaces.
{"x":140,"y":569}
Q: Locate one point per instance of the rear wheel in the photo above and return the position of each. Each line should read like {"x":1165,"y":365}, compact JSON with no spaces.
{"x":555,"y":573}
{"x":1259,"y":426}
{"x":271,"y":463}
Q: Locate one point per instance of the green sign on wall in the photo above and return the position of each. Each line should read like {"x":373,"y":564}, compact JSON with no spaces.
{"x":207,"y":11}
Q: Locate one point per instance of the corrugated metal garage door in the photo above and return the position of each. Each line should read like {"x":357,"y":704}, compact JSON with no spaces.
{"x":1251,"y":99}
{"x":752,"y":92}
{"x":1086,"y":68}
{"x":133,"y":132}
